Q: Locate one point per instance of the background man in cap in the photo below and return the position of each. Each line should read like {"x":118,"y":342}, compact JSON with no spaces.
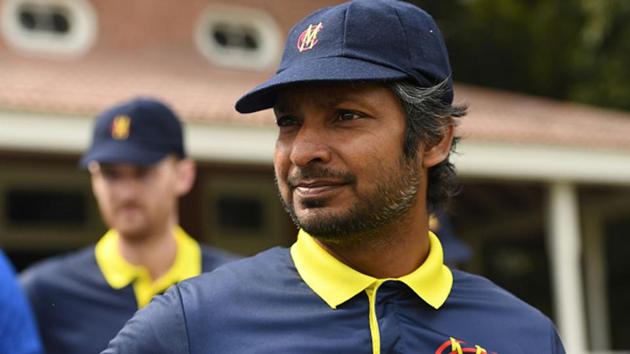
{"x":363,"y":102}
{"x":138,"y":169}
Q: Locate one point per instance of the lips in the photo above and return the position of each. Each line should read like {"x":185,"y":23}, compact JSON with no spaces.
{"x":128,"y":209}
{"x":317,"y":188}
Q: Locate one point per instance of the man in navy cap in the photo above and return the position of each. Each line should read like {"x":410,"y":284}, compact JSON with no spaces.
{"x":363,"y":103}
{"x":139,"y":169}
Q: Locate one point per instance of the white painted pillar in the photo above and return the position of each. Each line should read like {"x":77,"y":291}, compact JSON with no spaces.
{"x":564,"y":241}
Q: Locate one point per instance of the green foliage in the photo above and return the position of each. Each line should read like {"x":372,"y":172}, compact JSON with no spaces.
{"x":575,"y":50}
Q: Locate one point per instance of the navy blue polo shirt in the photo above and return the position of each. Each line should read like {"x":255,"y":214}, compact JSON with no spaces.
{"x":303,"y":300}
{"x":81,"y":300}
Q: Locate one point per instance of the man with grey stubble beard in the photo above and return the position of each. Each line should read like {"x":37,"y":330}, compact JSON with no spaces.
{"x":363,"y":100}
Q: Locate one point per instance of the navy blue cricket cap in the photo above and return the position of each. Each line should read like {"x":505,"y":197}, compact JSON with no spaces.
{"x":141,"y":131}
{"x":361,"y":40}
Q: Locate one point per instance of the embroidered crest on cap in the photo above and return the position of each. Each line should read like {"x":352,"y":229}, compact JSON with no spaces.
{"x":120,"y":127}
{"x":308,"y":38}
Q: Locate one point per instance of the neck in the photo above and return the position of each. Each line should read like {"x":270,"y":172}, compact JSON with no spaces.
{"x":392,"y":252}
{"x":156,"y":253}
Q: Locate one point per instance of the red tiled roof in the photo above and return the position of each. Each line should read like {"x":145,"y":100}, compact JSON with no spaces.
{"x":510,"y":117}
{"x":142,"y":47}
{"x":85,"y":88}
{"x":207,"y":95}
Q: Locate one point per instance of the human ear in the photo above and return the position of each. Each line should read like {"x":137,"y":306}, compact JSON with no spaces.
{"x":186,"y":173}
{"x":433,"y":155}
{"x":94,"y":169}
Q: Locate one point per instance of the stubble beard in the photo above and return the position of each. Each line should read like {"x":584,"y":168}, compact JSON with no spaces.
{"x":136,"y":230}
{"x":385,"y":205}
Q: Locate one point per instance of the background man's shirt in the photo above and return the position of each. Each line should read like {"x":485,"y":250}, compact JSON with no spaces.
{"x":81,"y":300}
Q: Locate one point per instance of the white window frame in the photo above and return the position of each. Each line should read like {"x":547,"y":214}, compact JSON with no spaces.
{"x":246,"y":242}
{"x":270,"y":37}
{"x":56,"y":178}
{"x":80,"y":38}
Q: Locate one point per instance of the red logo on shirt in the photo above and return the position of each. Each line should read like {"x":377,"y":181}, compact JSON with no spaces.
{"x":457,"y":346}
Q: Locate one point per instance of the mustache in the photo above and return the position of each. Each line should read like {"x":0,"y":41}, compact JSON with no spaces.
{"x":318,"y":172}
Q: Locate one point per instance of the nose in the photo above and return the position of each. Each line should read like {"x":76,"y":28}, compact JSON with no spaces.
{"x":310,"y":145}
{"x":126,"y":189}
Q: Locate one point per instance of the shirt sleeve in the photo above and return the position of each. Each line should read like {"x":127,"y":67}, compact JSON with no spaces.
{"x":159,"y":328}
{"x":18,"y":333}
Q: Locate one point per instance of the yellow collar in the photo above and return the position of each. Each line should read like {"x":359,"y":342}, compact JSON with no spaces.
{"x":119,"y":273}
{"x":337,"y":283}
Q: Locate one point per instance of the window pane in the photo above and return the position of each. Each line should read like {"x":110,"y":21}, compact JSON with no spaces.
{"x":30,"y":207}
{"x":240,"y":214}
{"x":618,"y":265}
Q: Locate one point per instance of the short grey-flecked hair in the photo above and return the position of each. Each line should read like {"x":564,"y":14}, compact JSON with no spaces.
{"x":428,"y":116}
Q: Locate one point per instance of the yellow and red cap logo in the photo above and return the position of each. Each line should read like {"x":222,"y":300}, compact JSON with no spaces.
{"x":308,"y":38}
{"x":120,"y":127}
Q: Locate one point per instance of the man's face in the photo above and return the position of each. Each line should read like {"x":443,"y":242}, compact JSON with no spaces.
{"x":138,"y":201}
{"x":338,"y":160}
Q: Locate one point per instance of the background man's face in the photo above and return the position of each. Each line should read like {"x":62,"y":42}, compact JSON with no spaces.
{"x":339,"y":164}
{"x":137,"y":200}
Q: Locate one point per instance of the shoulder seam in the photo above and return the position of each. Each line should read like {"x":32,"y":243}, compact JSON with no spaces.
{"x":181,"y":304}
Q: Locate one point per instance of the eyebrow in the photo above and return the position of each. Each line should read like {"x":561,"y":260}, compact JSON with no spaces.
{"x":327,"y":100}
{"x":284,"y":106}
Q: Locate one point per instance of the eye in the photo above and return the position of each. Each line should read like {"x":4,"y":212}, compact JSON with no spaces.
{"x":286,"y":121}
{"x":343,"y":115}
{"x":144,"y":172}
{"x":110,"y":174}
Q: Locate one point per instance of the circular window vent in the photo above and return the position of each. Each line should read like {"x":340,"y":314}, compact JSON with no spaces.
{"x":65,"y":27}
{"x":238,"y":37}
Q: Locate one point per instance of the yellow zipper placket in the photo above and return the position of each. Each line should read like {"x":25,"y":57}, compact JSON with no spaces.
{"x":374,"y":330}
